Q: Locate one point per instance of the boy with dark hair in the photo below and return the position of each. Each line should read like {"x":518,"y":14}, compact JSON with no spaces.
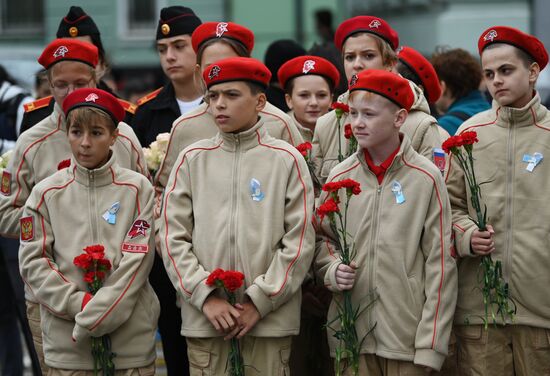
{"x":400,"y":225}
{"x":262,"y":198}
{"x":513,"y":140}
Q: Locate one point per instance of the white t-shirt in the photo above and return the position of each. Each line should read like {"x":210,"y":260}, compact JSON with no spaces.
{"x":188,"y":106}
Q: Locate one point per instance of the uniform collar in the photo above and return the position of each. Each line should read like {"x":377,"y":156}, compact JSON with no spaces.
{"x":529,"y":114}
{"x":301,"y":128}
{"x":244,"y":140}
{"x":94,"y":178}
{"x":405,"y":150}
{"x":57,"y":117}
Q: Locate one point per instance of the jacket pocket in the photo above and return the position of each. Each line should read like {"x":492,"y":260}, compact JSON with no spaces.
{"x":199,"y":362}
{"x":542,"y":339}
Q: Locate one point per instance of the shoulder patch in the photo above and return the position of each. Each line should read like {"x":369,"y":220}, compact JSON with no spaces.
{"x":128,"y":106}
{"x":5,"y":187}
{"x":27,"y":228}
{"x":134,"y":248}
{"x":139,"y":228}
{"x":148,"y":97}
{"x":39,"y":103}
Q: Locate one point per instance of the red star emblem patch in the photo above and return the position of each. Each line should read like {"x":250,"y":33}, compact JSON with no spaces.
{"x":139,"y":227}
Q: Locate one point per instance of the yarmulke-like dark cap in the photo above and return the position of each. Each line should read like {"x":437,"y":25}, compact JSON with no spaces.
{"x":76,"y":23}
{"x":176,"y":20}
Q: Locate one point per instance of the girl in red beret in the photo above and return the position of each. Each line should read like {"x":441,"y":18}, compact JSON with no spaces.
{"x":510,"y":160}
{"x":309,"y":83}
{"x":92,"y":201}
{"x":369,"y":42}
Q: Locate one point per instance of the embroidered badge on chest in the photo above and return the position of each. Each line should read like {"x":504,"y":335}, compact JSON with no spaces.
{"x":110,"y":215}
{"x":6,"y":183}
{"x":139,"y":228}
{"x":256,"y":190}
{"x":532,"y":161}
{"x":397,"y":191}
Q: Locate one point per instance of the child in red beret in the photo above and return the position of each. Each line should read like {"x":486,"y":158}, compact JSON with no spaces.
{"x":91,"y":200}
{"x":243,"y":201}
{"x":509,"y":160}
{"x":369,"y":42}
{"x":309,"y":83}
{"x":400,"y":224}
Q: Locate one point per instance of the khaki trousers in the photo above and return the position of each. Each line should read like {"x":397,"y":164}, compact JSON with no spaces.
{"x":33,"y":316}
{"x":503,"y":350}
{"x":265,"y":356}
{"x":373,"y":365}
{"x":142,"y":371}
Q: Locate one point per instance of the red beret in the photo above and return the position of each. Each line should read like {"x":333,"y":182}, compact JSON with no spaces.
{"x":97,"y":98}
{"x":365,"y":24}
{"x":237,"y":69}
{"x":387,"y":84}
{"x":230,"y":30}
{"x":68,"y":49}
{"x":517,"y":38}
{"x":304,"y":65}
{"x":423,"y":69}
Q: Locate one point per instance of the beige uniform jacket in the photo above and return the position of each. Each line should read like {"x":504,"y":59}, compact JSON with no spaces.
{"x":403,"y":253}
{"x":307,"y":134}
{"x":36,"y":156}
{"x":241,"y":202}
{"x":517,"y":208}
{"x":198,"y":124}
{"x":420,"y":127}
{"x":66,"y":215}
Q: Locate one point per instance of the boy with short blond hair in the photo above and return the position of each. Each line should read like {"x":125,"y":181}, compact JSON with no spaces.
{"x":400,"y":225}
{"x":509,"y":162}
{"x":241,"y":200}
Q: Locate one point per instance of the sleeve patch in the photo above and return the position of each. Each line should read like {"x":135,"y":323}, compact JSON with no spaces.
{"x":135,"y":248}
{"x":6,"y":183}
{"x":139,"y":228}
{"x":27,"y":228}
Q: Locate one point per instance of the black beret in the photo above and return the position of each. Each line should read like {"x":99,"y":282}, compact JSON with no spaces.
{"x":176,"y":20}
{"x":76,"y":23}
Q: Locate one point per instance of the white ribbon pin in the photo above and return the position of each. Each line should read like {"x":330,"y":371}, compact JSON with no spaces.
{"x":532,"y":161}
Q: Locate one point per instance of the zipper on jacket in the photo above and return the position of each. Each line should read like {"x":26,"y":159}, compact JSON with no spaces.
{"x":508,"y":209}
{"x":92,"y":206}
{"x":234,"y":204}
{"x":371,"y":255}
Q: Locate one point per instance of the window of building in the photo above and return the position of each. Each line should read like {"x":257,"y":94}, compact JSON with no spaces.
{"x":21,"y":17}
{"x":138,"y":18}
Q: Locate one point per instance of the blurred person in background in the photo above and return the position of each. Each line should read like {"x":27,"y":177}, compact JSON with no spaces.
{"x":460,"y":76}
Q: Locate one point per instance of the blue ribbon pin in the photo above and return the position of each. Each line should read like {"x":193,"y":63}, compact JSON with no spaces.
{"x":256,"y":190}
{"x":397,"y":191}
{"x":110,"y":215}
{"x":532,"y":161}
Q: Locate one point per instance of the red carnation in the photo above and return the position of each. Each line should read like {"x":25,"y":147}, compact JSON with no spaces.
{"x":328,"y":207}
{"x":339,"y":106}
{"x":469,"y":138}
{"x":89,"y":277}
{"x":83,"y":261}
{"x":214,"y":276}
{"x":63,"y":164}
{"x":332,"y":186}
{"x":104,"y":264}
{"x":96,"y":251}
{"x":351,"y":185}
{"x":304,"y":148}
{"x":347,"y":131}
{"x":451,"y":143}
{"x":232,"y":280}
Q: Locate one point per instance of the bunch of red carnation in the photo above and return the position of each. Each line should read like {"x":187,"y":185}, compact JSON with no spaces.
{"x":464,"y":139}
{"x":94,"y":264}
{"x":351,"y":186}
{"x":339,"y":106}
{"x":230,"y":280}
